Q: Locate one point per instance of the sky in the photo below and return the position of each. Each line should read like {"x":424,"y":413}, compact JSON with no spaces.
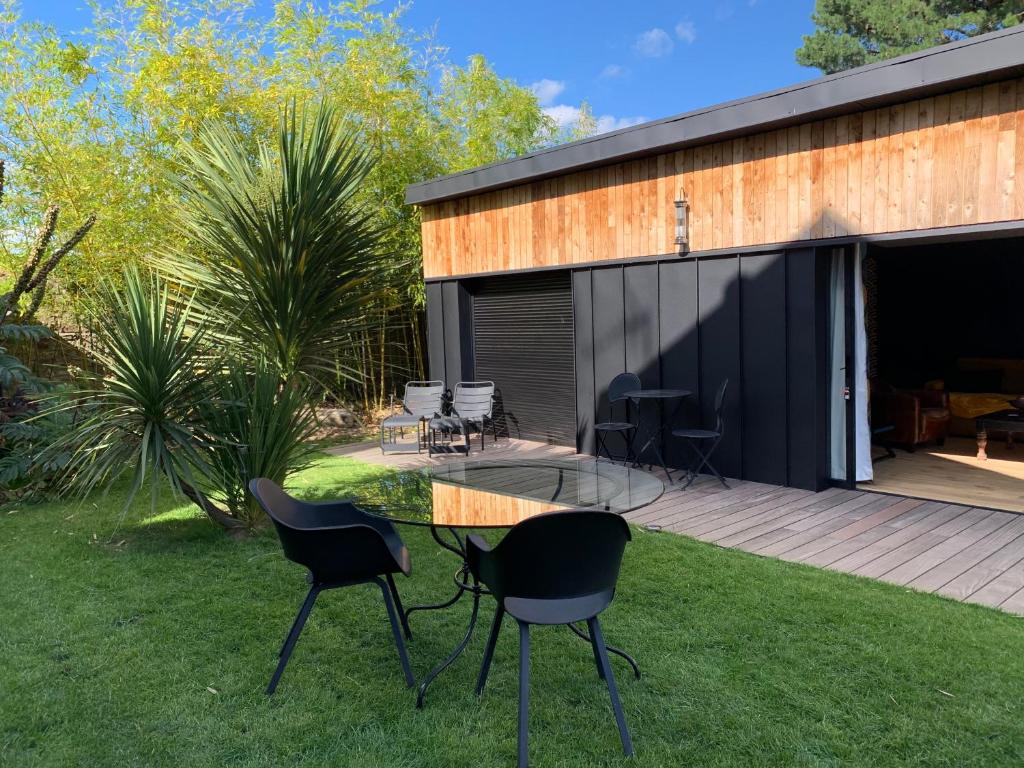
{"x":631,"y":61}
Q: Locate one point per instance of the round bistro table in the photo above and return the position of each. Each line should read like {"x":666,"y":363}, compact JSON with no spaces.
{"x":656,"y":432}
{"x":464,"y":495}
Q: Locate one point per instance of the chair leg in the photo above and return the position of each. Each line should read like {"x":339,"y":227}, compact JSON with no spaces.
{"x":524,"y":692}
{"x":595,"y":632}
{"x":597,"y":655}
{"x":398,"y":606}
{"x":403,"y":657}
{"x":293,"y":636}
{"x":492,"y":640}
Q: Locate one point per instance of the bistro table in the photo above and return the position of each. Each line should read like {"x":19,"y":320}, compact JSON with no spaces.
{"x":1009,"y":421}
{"x":656,"y":432}
{"x":464,"y":495}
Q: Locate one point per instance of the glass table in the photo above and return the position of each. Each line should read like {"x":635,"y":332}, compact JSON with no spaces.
{"x":462,"y":495}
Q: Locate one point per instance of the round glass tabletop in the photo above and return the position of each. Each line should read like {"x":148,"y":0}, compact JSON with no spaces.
{"x":499,"y":494}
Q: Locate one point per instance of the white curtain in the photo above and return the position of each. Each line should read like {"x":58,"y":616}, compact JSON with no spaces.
{"x":837,"y":366}
{"x":837,"y":370}
{"x":860,"y":357}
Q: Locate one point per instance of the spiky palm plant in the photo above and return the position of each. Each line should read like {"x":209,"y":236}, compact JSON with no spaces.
{"x":139,"y":414}
{"x":279,"y":257}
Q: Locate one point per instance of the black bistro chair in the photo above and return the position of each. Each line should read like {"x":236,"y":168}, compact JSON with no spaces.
{"x":555,"y":568}
{"x":698,"y":438}
{"x":624,"y":382}
{"x":340,"y":545}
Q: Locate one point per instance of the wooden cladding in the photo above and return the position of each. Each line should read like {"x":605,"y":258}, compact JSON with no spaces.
{"x":949,"y":160}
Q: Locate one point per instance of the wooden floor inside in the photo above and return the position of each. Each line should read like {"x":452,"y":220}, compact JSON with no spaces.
{"x":965,"y":552}
{"x":953,"y":473}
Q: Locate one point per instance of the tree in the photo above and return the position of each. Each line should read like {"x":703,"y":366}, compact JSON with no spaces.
{"x":115,"y":101}
{"x":855,"y":32}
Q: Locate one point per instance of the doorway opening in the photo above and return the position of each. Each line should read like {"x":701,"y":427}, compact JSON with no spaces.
{"x":944,"y":325}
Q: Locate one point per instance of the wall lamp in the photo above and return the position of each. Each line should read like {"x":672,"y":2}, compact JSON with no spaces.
{"x":682,"y":218}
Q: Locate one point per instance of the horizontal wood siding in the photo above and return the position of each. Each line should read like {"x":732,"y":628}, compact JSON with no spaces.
{"x":948,"y":160}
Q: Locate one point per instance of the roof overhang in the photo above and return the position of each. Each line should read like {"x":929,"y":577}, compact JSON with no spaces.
{"x":974,"y":61}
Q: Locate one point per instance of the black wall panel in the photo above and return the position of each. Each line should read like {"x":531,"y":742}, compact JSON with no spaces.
{"x":680,"y":343}
{"x":583,"y":314}
{"x":457,"y":311}
{"x":435,"y":331}
{"x":763,"y":326}
{"x":640,"y":289}
{"x":807,"y":340}
{"x":609,"y":333}
{"x":719,"y":307}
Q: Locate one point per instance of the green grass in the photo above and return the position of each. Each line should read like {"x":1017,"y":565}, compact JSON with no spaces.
{"x":150,"y":645}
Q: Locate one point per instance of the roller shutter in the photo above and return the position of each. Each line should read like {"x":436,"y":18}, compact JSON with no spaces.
{"x":523,"y":341}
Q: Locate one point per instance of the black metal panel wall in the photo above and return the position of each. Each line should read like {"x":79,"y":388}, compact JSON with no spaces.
{"x":718,"y":290}
{"x":583,"y":319}
{"x":523,"y":341}
{"x":449,"y":332}
{"x":759,"y":319}
{"x":763,"y":330}
{"x":755,"y":319}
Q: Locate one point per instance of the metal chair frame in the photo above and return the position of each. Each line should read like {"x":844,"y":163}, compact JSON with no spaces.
{"x":703,"y":458}
{"x":623,"y":382}
{"x":421,"y":402}
{"x":472,"y":408}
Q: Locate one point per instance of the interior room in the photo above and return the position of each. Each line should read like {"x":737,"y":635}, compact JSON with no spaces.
{"x":945,"y":347}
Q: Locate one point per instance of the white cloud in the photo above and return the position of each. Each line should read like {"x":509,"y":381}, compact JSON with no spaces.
{"x":547,"y":91}
{"x":654,"y":43}
{"x":563,"y":114}
{"x":567,"y":115}
{"x":686,"y":31}
{"x":612,"y":71}
{"x":607,"y":123}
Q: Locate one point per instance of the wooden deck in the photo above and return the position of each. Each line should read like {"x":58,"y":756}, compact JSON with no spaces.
{"x":963,"y":552}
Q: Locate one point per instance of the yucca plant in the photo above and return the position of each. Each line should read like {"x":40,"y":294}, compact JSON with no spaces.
{"x":279,"y":257}
{"x":255,"y":427}
{"x":140,"y":414}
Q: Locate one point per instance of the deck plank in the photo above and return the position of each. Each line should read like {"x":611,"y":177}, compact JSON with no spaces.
{"x":967,"y":553}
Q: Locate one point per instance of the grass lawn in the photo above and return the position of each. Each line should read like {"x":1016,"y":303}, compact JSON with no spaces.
{"x":148,"y":643}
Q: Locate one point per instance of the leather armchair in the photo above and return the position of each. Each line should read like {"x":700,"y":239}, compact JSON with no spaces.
{"x":917,"y":416}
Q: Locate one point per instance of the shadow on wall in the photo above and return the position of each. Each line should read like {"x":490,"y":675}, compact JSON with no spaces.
{"x":758,"y":319}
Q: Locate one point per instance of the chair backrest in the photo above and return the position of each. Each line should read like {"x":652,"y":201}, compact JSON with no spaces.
{"x":473,"y":399}
{"x":558,"y":555}
{"x":424,"y":398}
{"x":719,"y":404}
{"x":624,"y":382}
{"x":331,"y":552}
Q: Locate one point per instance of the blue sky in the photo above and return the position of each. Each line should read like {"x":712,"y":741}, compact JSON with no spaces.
{"x":631,"y":61}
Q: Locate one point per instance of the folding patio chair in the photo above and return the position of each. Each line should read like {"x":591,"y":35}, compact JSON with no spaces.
{"x":622,"y":383}
{"x":696,"y":438}
{"x":471,"y":411}
{"x":423,"y":400}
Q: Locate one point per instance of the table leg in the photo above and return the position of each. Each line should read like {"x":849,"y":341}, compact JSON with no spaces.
{"x":982,"y":444}
{"x":457,"y":651}
{"x":464,"y":582}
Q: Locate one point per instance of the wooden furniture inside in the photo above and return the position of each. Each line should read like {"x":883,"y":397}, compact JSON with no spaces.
{"x":953,"y":473}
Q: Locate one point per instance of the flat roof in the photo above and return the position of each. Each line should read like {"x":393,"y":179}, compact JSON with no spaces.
{"x":986,"y":58}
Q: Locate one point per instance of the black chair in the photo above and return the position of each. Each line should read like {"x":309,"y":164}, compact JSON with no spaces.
{"x":555,"y":568}
{"x":697,"y":438}
{"x":340,"y":545}
{"x":624,"y":382}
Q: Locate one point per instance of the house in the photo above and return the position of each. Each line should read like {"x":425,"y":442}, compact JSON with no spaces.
{"x":799,"y":242}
